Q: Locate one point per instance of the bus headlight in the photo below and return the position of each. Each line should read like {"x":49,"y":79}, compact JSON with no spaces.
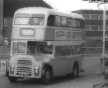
{"x":36,"y":70}
{"x":12,"y":68}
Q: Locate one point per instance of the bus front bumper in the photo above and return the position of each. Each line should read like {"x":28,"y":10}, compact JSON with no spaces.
{"x":25,"y":75}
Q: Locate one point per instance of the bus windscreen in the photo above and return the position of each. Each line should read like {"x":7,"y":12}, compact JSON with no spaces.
{"x":29,"y":20}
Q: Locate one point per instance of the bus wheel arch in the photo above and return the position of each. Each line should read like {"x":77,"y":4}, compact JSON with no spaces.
{"x":12,"y":79}
{"x":75,"y":69}
{"x":47,"y":74}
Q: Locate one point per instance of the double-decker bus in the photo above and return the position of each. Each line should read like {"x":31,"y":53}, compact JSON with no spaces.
{"x":45,"y":43}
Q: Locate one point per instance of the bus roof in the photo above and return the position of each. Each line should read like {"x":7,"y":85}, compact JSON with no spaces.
{"x":47,"y":11}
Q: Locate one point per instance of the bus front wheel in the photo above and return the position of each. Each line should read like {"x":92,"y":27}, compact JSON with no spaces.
{"x":47,"y":76}
{"x":12,"y":79}
{"x":75,"y":70}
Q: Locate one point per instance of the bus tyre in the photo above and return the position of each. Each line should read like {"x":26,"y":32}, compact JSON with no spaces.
{"x":12,"y":79}
{"x":75,"y":71}
{"x":47,"y":76}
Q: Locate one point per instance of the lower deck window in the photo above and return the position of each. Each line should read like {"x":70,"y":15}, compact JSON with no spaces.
{"x":34,"y":47}
{"x":68,"y":50}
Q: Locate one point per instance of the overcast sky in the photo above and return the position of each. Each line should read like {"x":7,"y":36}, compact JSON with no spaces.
{"x":71,"y":5}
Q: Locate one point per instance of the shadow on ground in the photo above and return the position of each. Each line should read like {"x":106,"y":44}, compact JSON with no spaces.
{"x":56,"y":80}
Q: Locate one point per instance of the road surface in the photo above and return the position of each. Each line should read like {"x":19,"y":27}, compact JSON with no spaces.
{"x":90,"y":77}
{"x":84,"y":81}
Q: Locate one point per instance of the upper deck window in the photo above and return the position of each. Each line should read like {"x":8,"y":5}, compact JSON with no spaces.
{"x":63,"y":21}
{"x":24,"y":19}
{"x":51,"y":20}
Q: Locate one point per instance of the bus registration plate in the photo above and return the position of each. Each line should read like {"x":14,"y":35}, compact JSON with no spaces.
{"x":25,"y":75}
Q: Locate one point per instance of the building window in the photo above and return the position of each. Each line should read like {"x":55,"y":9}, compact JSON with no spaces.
{"x":94,"y":17}
{"x":88,"y":27}
{"x":94,"y":27}
{"x":93,"y":33}
{"x":100,"y":17}
{"x":100,"y":27}
{"x":106,"y":28}
{"x":87,"y":16}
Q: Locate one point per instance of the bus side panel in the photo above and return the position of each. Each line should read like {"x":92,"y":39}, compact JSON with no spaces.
{"x":63,"y":65}
{"x":71,"y":60}
{"x":60,"y":65}
{"x":49,"y":34}
{"x":58,"y":33}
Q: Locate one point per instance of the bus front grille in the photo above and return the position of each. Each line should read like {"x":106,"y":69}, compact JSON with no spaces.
{"x":24,"y":62}
{"x":24,"y":67}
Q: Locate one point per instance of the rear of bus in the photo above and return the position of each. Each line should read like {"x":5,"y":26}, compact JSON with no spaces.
{"x":28,"y":48}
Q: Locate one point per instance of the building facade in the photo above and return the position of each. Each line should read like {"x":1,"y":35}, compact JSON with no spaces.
{"x":94,"y":31}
